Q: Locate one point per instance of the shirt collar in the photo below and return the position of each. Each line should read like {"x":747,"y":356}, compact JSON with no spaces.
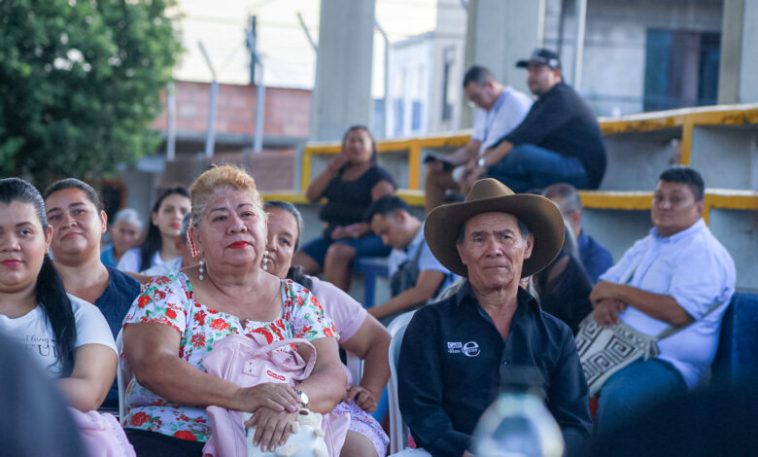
{"x":691,"y":230}
{"x":526,"y":302}
{"x":583,"y":240}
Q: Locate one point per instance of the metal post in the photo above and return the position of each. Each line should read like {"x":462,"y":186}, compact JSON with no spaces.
{"x":307,"y":32}
{"x":386,"y":77}
{"x":260,"y":89}
{"x":171,"y":128}
{"x":581,"y":21}
{"x":210,"y":138}
{"x":260,"y":105}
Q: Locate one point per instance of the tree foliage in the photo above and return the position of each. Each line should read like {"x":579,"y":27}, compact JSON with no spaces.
{"x":80,"y":83}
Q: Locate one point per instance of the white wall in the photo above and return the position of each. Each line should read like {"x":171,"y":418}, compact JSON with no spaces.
{"x":614,"y":53}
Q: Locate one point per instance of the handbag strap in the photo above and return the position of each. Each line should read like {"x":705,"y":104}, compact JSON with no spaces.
{"x":674,"y":330}
{"x":671,"y":330}
{"x":310,"y":363}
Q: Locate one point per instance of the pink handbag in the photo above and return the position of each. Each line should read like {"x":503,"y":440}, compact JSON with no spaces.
{"x":101,"y":434}
{"x":248,"y":361}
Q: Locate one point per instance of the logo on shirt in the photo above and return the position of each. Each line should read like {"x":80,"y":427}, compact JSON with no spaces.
{"x":469,"y":349}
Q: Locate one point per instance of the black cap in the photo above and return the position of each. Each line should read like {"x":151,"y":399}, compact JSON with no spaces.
{"x":541,"y":56}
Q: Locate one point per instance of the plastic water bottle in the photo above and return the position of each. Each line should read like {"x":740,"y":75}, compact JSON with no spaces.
{"x":518,"y":424}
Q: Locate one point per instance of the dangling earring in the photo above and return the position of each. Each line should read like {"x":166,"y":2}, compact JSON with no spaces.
{"x":193,"y":248}
{"x":201,"y":270}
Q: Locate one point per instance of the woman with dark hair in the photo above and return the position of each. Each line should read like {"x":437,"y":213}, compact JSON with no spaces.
{"x":165,"y":223}
{"x":359,"y":332}
{"x":75,"y":213}
{"x":350,"y":183}
{"x":66,"y":335}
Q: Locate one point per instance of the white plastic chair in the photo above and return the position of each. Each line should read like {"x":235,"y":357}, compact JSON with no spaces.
{"x":355,"y":367}
{"x":398,"y":429}
{"x":123,"y":376}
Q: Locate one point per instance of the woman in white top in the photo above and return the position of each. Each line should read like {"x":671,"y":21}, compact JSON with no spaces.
{"x":67,"y":336}
{"x":165,"y":223}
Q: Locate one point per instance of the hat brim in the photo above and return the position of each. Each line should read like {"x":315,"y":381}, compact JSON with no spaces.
{"x":541,"y":216}
{"x":522,"y":64}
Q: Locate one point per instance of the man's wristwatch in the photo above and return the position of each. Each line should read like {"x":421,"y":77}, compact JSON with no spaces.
{"x":481,"y":162}
{"x":304,"y":400}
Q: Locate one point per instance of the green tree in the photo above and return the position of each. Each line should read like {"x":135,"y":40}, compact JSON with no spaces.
{"x":80,"y":83}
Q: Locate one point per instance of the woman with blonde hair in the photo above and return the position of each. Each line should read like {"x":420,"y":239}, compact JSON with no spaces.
{"x":175,"y":321}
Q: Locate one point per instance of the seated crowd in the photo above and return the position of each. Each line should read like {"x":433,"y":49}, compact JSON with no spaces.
{"x":498,"y":280}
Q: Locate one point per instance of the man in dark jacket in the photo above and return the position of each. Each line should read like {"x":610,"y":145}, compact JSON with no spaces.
{"x":456,"y":352}
{"x":558,"y":141}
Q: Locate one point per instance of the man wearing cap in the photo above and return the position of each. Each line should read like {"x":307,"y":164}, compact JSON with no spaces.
{"x":500,"y":109}
{"x":456,"y":352}
{"x":558,"y":141}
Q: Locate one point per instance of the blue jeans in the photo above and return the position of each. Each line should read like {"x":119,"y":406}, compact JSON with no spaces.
{"x":528,"y":167}
{"x":635,"y":389}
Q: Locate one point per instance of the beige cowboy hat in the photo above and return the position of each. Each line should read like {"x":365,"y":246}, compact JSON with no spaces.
{"x":540,"y":215}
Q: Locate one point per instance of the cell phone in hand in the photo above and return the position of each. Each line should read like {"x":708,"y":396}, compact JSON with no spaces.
{"x":446,"y":164}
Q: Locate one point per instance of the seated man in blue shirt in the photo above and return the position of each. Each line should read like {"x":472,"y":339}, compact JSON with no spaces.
{"x":456,"y":352}
{"x":679,"y":276}
{"x":416,"y":275}
{"x":596,"y":259}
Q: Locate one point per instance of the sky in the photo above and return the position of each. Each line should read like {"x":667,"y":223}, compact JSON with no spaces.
{"x":288,"y":57}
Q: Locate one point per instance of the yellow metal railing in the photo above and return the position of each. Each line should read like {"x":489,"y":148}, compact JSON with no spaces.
{"x":740,"y":200}
{"x":683,"y":120}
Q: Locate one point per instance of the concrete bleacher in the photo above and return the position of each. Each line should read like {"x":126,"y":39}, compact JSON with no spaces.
{"x":720,"y":141}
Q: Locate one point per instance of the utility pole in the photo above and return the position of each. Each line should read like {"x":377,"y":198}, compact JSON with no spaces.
{"x":210,"y":139}
{"x":256,"y":77}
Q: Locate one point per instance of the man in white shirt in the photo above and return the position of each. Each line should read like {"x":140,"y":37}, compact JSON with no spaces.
{"x":680,"y":276}
{"x":416,"y":276}
{"x":499,"y":110}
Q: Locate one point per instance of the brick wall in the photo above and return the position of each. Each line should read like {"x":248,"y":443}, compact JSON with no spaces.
{"x":287,"y":111}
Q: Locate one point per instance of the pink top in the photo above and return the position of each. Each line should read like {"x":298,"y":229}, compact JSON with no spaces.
{"x":347,"y":314}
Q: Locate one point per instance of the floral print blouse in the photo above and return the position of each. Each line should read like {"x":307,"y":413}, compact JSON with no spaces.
{"x":169,"y":300}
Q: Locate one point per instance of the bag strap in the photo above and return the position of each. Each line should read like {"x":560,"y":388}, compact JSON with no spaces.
{"x":310,"y":363}
{"x":671,"y":330}
{"x":674,"y":330}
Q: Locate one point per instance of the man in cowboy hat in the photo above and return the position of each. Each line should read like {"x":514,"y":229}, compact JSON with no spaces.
{"x":456,"y":352}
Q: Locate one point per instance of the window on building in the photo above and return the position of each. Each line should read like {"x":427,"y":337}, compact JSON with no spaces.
{"x":681,"y":68}
{"x":399,"y":117}
{"x":416,"y":116}
{"x":448,"y":60}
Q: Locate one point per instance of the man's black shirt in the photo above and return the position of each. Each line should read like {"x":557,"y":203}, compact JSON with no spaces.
{"x":561,"y":122}
{"x":450,"y":367}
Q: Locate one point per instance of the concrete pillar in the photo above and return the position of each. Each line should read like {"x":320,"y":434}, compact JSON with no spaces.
{"x":342,"y":93}
{"x":499,"y":33}
{"x":739,"y":65}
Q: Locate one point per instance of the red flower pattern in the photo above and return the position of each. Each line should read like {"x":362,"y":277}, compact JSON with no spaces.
{"x":185,"y":435}
{"x":139,"y":419}
{"x":198,"y":340}
{"x":200,"y":318}
{"x":170,"y":313}
{"x":219,"y":324}
{"x":144,"y":299}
